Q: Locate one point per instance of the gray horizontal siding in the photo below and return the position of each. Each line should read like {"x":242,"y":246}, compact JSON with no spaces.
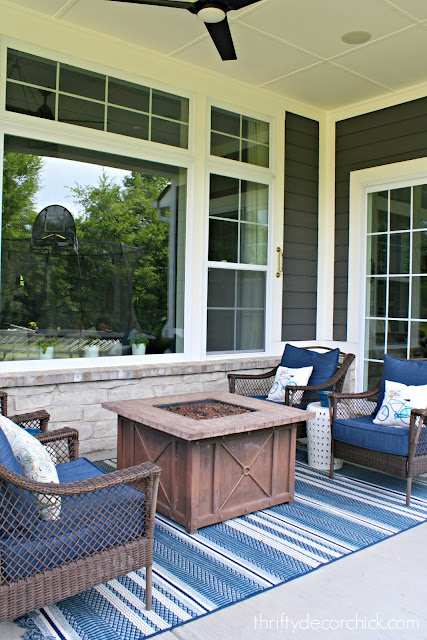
{"x":300,"y":229}
{"x":373,"y":139}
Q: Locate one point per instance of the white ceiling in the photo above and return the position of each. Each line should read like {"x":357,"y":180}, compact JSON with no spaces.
{"x":290,"y":47}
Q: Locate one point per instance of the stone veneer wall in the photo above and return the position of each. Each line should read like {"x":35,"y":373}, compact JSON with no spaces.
{"x":73,"y":397}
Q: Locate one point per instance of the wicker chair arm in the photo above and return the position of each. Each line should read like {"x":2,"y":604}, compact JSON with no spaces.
{"x":320,"y":387}
{"x":363,"y":394}
{"x":79,"y":487}
{"x":63,"y":443}
{"x":352,"y":405}
{"x":58,"y":434}
{"x":35,"y":419}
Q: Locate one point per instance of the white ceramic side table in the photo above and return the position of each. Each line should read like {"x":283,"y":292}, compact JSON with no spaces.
{"x":319,"y":439}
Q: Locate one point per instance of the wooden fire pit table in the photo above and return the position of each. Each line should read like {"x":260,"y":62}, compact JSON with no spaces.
{"x":213,"y":468}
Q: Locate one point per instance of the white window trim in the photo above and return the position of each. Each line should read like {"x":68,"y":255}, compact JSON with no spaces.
{"x":391,"y":176}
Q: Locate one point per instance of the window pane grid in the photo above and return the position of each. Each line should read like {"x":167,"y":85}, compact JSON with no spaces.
{"x":242,"y":222}
{"x":402,"y":330}
{"x":239,"y":138}
{"x":236,"y":310}
{"x":167,"y":105}
{"x":251,"y":149}
{"x":245,"y":241}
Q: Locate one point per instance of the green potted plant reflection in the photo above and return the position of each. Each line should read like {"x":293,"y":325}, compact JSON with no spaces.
{"x":46,"y":346}
{"x":138,"y":342}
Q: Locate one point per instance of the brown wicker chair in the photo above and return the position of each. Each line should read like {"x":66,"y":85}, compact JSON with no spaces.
{"x":105,"y":530}
{"x":348,"y":406}
{"x":260,"y":384}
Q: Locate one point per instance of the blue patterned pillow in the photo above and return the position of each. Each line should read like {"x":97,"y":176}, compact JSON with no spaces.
{"x":36,"y":465}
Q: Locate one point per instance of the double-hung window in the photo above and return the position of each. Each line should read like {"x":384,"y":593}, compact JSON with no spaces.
{"x":238,"y":238}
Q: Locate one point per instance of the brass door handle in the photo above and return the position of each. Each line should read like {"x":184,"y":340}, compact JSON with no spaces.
{"x":280,"y":257}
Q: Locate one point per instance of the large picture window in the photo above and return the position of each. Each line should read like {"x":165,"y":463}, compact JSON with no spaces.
{"x":93,"y":249}
{"x":396,"y":277}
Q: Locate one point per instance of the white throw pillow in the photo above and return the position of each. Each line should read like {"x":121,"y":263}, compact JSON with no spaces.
{"x":285,"y":377}
{"x":36,"y":465}
{"x":399,"y":399}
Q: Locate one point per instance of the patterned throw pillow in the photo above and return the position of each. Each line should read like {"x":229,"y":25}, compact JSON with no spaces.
{"x":285,"y":377}
{"x":399,"y":399}
{"x":36,"y":465}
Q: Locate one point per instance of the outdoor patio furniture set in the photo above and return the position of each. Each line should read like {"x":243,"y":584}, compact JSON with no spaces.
{"x":62,"y":536}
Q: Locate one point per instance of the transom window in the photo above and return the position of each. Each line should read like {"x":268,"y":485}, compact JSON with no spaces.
{"x":239,"y":137}
{"x":55,"y":91}
{"x":396,"y":277}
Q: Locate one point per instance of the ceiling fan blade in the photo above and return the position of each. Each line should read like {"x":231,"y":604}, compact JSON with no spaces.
{"x":235,"y":5}
{"x":180,"y":4}
{"x":221,"y":36}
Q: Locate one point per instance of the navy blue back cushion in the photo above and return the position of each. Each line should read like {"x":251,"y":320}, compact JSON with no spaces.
{"x":324,"y":364}
{"x":409,"y":372}
{"x":7,"y":457}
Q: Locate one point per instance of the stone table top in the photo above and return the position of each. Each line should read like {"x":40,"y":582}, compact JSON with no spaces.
{"x":149,"y":411}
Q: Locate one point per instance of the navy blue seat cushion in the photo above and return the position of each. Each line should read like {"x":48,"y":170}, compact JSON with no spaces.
{"x":80,"y":469}
{"x":7,"y":457}
{"x":120,"y":517}
{"x":362,"y":432}
{"x":409,"y":372}
{"x":324,"y":364}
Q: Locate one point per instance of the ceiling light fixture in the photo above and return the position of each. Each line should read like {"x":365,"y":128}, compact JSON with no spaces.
{"x":211,"y":15}
{"x":356,"y":37}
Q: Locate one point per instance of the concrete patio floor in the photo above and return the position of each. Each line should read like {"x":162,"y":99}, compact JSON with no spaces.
{"x":360,"y":596}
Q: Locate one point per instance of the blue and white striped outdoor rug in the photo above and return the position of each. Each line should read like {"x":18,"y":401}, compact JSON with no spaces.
{"x":194,"y":575}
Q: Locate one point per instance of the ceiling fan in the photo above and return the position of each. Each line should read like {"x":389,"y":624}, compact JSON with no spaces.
{"x":213,"y":13}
